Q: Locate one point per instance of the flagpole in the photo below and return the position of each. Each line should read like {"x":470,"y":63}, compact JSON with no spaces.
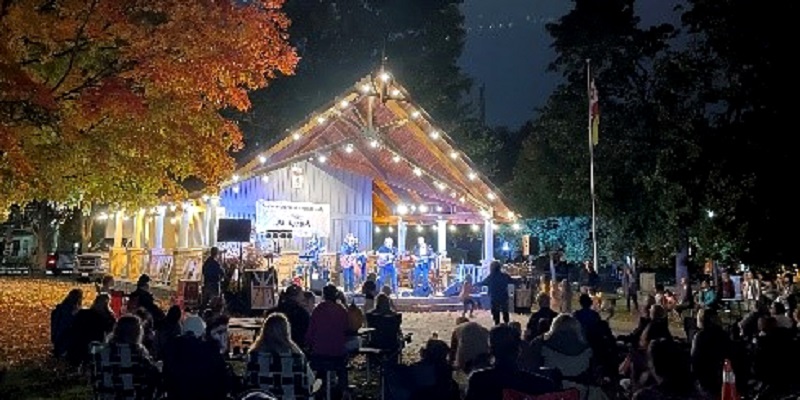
{"x":591,"y":166}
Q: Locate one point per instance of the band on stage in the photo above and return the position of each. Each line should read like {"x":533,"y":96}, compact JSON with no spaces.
{"x":354,"y":268}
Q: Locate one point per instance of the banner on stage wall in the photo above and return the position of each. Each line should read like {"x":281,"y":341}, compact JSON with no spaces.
{"x":303,"y":219}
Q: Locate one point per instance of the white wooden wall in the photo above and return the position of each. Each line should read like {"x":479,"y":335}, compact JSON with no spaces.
{"x":349,"y":195}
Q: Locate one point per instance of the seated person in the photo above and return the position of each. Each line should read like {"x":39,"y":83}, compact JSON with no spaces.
{"x":123,"y":368}
{"x":277,"y":364}
{"x":387,"y":335}
{"x":490,"y":383}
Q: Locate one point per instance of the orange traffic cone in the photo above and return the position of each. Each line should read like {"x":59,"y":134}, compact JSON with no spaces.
{"x":729,"y":383}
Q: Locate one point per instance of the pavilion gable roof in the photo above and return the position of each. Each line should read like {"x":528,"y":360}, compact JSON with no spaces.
{"x":376,"y":130}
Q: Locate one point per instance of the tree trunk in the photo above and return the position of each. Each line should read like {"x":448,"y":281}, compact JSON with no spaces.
{"x":87,"y":225}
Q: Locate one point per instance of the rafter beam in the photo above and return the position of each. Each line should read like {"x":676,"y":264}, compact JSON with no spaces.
{"x":442,"y":158}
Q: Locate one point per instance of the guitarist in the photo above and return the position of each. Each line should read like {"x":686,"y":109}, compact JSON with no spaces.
{"x":349,"y":258}
{"x":423,"y":253}
{"x":388,"y":271}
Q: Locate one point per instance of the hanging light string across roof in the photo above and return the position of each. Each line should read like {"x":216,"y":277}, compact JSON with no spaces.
{"x":386,"y":90}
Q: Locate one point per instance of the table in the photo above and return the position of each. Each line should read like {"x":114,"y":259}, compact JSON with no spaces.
{"x":247,"y":324}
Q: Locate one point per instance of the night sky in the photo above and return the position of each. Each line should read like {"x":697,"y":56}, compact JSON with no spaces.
{"x":508,"y":49}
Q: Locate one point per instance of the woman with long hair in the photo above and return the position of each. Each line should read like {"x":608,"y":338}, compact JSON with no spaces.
{"x":277,"y":364}
{"x":123,"y":367}
{"x":565,"y":348}
{"x":61,"y":319}
{"x":90,"y":325}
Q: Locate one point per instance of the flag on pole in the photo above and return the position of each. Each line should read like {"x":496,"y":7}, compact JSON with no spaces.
{"x":594,"y":112}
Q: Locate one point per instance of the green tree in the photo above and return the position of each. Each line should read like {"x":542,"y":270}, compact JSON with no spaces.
{"x":553,"y":170}
{"x":339,"y":42}
{"x":740,"y":48}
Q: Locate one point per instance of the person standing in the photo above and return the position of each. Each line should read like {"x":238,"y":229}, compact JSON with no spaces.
{"x":386,"y":257}
{"x":212,"y":276}
{"x":630,"y":287}
{"x":751,"y":291}
{"x":498,"y":282}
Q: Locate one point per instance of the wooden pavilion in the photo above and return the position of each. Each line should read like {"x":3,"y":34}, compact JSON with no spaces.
{"x":370,"y":157}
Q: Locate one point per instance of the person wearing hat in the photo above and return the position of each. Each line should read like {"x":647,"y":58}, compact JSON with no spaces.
{"x":193,"y":366}
{"x":142,"y":298}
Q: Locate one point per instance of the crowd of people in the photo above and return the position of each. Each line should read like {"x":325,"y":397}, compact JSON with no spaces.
{"x":304,"y":349}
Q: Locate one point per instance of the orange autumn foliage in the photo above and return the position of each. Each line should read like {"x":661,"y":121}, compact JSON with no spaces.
{"x":26,"y":303}
{"x":118,"y":101}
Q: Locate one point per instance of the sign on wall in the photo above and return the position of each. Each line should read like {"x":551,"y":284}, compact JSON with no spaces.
{"x":302,"y":218}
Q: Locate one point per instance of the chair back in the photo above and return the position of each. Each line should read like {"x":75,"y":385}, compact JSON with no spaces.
{"x":568,"y":394}
{"x":387,"y":331}
{"x":256,"y":394}
{"x":402,"y":381}
{"x":117,"y":372}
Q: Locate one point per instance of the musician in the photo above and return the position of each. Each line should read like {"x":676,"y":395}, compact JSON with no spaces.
{"x":349,"y":254}
{"x":388,"y":272}
{"x":423,"y":253}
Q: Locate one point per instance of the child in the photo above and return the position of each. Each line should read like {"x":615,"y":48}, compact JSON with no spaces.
{"x":466,"y":296}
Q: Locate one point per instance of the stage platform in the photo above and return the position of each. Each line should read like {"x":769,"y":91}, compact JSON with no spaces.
{"x":404,"y":302}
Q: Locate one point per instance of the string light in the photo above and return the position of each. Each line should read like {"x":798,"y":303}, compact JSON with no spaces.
{"x":402,"y":209}
{"x":391,"y":230}
{"x":452,"y":228}
{"x":423,"y":208}
{"x":377,"y":229}
{"x":420,"y":228}
{"x":474,"y":227}
{"x":369,"y":87}
{"x":515,"y":227}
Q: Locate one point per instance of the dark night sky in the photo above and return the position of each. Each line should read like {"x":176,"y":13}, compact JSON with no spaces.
{"x":508,"y":49}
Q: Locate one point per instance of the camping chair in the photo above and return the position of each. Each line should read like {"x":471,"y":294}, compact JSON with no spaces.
{"x":567,"y":394}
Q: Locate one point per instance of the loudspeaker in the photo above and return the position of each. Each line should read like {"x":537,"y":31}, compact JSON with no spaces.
{"x":530,"y":245}
{"x":526,"y":245}
{"x":234,"y":230}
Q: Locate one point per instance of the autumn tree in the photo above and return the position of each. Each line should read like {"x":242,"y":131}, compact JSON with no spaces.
{"x":118,"y":101}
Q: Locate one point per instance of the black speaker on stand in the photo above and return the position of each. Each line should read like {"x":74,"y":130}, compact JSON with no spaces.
{"x":237,"y":231}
